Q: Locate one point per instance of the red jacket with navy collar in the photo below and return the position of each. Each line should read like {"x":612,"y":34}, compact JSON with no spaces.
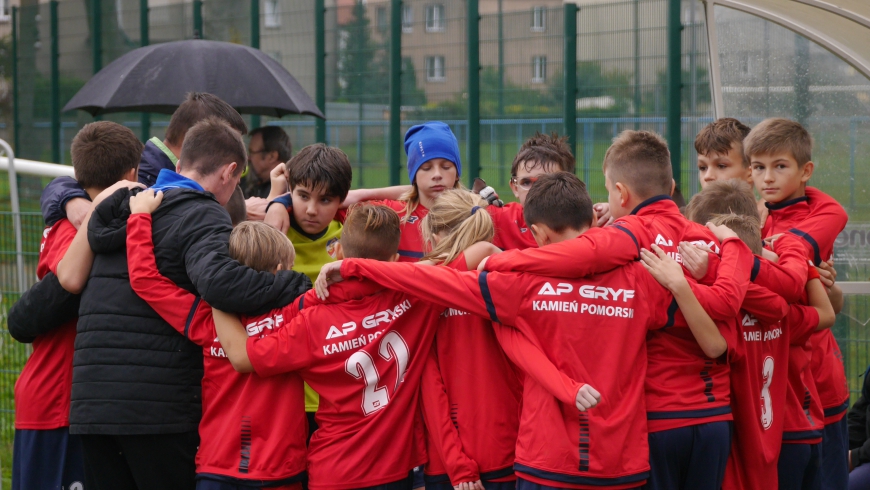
{"x":594,"y":330}
{"x":817,"y":219}
{"x":684,"y":387}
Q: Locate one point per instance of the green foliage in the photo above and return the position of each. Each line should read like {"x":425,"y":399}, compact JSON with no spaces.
{"x":361,"y":72}
{"x":412,"y":95}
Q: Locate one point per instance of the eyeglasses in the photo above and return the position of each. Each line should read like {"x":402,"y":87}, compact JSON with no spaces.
{"x":252,"y":152}
{"x":525,"y":183}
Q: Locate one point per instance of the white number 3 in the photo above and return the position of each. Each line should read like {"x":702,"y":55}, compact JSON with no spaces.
{"x":360,"y":365}
{"x":766,"y":406}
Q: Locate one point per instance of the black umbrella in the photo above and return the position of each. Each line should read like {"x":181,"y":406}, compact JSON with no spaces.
{"x":156,"y":78}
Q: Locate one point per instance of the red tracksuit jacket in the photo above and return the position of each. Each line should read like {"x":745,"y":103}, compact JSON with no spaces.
{"x":411,"y":239}
{"x":365,"y":358}
{"x":240,"y":435}
{"x":42,"y":392}
{"x":817,"y":219}
{"x":676,"y":394}
{"x":511,"y":231}
{"x":593,"y":330}
{"x":471,"y":401}
{"x":768,"y":326}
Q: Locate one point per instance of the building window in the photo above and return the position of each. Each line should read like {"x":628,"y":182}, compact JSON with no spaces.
{"x":407,"y":18}
{"x":381,"y":16}
{"x":434,"y":68}
{"x":539,"y":69}
{"x":435,"y":18}
{"x":272,"y":14}
{"x":539,"y":19}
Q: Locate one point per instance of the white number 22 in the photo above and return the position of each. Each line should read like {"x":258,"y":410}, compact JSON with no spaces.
{"x":360,"y":365}
{"x":766,"y":406}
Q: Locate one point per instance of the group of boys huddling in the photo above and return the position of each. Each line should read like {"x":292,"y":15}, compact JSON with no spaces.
{"x":547,"y":343}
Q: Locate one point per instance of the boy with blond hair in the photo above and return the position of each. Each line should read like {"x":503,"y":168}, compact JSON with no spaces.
{"x":780,"y":154}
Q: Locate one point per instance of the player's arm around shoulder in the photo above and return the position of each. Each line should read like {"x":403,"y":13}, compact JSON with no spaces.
{"x":233,"y":339}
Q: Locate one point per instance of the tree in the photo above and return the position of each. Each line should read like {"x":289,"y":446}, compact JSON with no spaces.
{"x":361,"y":73}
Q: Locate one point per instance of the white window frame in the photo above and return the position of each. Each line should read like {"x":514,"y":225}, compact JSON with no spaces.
{"x":407,"y":18}
{"x":434,"y":72}
{"x":272,"y":14}
{"x":539,"y":69}
{"x":435,"y":17}
{"x":539,"y":19}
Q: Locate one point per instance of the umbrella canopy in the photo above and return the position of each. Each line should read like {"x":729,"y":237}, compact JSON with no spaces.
{"x":156,"y":78}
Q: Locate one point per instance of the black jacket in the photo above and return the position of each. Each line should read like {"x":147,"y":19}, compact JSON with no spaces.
{"x":132,"y":372}
{"x":859,"y":431}
{"x":60,"y":190}
{"x":41,"y":309}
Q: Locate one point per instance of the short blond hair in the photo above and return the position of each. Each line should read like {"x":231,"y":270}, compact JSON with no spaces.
{"x":261,"y":247}
{"x":747,"y":228}
{"x":641,"y":161}
{"x":463,"y":218}
{"x":776,"y":135}
{"x":371,"y":231}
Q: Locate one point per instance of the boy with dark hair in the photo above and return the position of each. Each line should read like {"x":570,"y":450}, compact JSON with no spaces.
{"x":720,"y":151}
{"x":320,"y":177}
{"x":365,"y":358}
{"x":137,"y":392}
{"x":780,"y":152}
{"x":45,"y":454}
{"x":540,"y":155}
{"x":63,"y":197}
{"x":689,"y":415}
{"x":237,"y":407}
{"x":269,"y":146}
{"x":612,"y":324}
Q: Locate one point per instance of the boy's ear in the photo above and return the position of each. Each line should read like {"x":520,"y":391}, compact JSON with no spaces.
{"x":673,"y":186}
{"x":539,"y":232}
{"x":514,"y":189}
{"x":279,"y":268}
{"x":229,"y":171}
{"x":394,"y":257}
{"x":339,"y":252}
{"x":624,"y":194}
{"x":807,"y":172}
{"x":132,"y":174}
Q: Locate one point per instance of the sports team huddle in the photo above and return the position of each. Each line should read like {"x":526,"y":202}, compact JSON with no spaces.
{"x":425,"y":336}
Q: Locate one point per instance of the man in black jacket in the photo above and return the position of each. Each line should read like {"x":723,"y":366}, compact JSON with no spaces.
{"x":136,"y":397}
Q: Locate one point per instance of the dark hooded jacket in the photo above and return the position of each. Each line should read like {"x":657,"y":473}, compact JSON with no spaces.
{"x":132,"y":372}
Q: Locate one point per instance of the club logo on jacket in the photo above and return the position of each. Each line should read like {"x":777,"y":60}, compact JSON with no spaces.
{"x":331,"y":247}
{"x":345,"y":329}
{"x":662,"y":242}
{"x":270,"y":323}
{"x":412,"y":219}
{"x":386,"y":316}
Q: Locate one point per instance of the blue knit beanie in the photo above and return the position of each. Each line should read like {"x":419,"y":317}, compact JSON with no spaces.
{"x":430,"y":140}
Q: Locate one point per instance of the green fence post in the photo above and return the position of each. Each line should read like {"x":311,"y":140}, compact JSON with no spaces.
{"x":570,"y":72}
{"x":16,"y":118}
{"x":320,"y":67}
{"x":675,"y":74}
{"x":55,"y":84}
{"x":144,"y":40}
{"x":255,"y":43}
{"x":395,"y":137}
{"x":197,"y":20}
{"x":97,"y":34}
{"x":473,"y":142}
